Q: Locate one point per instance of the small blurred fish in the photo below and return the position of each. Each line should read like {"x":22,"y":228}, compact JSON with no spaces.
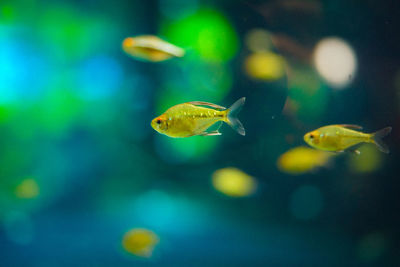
{"x":140,"y":242}
{"x":189,"y":119}
{"x":233,"y":182}
{"x":302,"y":159}
{"x":28,"y":188}
{"x":341,"y":137}
{"x":151,"y":48}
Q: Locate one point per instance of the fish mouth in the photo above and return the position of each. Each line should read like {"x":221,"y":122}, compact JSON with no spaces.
{"x":159,"y":127}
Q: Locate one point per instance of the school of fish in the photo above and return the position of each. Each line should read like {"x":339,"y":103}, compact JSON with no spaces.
{"x":195,"y":118}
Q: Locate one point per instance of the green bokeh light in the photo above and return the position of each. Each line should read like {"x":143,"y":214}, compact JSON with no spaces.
{"x":201,"y":82}
{"x":179,"y":150}
{"x":69,"y":34}
{"x":7,"y":13}
{"x":58,"y":111}
{"x":308,"y":93}
{"x":4,"y":113}
{"x":208,"y":32}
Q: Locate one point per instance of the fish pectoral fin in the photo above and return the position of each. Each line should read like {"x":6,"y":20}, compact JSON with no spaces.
{"x":219,"y":126}
{"x":354,"y":151}
{"x":210,"y":133}
{"x":200,"y":103}
{"x":351,"y":126}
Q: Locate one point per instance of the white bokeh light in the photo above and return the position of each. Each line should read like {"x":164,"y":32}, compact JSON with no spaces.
{"x":335,"y":61}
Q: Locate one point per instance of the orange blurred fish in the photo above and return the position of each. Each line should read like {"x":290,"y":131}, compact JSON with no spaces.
{"x":151,"y":48}
{"x":194,"y":118}
{"x":341,"y":137}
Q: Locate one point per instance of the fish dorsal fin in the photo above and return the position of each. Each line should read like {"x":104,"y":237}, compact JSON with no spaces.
{"x":156,"y":43}
{"x":200,"y":103}
{"x":147,"y":41}
{"x":350,"y":126}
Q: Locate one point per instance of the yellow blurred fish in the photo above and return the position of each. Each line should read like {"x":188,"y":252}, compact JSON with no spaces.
{"x":28,"y":188}
{"x":194,"y":118}
{"x":234,"y":182}
{"x":140,"y":242}
{"x":302,"y":159}
{"x":151,"y":48}
{"x":341,"y":137}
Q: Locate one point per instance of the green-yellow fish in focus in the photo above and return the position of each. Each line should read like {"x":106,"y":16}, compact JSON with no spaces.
{"x":140,"y":242}
{"x":302,"y":159}
{"x":341,"y":137}
{"x":151,"y":48}
{"x":194,"y":118}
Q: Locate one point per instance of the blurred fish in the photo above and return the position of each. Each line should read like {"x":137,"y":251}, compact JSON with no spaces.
{"x":302,"y":159}
{"x":233,"y":182}
{"x":140,"y":242}
{"x":151,"y":48}
{"x":265,"y":66}
{"x":341,"y":137}
{"x":189,"y":119}
{"x":28,"y":188}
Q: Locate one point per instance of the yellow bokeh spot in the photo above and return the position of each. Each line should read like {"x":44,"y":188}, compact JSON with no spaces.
{"x":233,"y":182}
{"x":265,"y":66}
{"x":28,"y":188}
{"x":302,"y":159}
{"x":369,"y":160}
{"x":140,"y":242}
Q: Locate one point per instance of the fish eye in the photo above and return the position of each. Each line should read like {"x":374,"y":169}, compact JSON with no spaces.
{"x":158,"y":121}
{"x":311,"y":136}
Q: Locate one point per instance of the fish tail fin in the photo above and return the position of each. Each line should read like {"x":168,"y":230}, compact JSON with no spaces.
{"x":377,"y":139}
{"x":231,"y":117}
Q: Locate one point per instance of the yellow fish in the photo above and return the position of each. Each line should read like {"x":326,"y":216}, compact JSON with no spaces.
{"x":194,"y":118}
{"x":28,"y":188}
{"x":140,"y":242}
{"x":339,"y":138}
{"x":233,"y":182}
{"x":302,"y":159}
{"x":151,"y":48}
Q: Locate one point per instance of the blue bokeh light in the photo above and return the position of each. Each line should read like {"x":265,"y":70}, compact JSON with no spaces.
{"x":22,"y":71}
{"x":99,"y":77}
{"x":161,"y":211}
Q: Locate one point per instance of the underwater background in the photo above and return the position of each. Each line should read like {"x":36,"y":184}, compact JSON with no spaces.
{"x":80,"y":165}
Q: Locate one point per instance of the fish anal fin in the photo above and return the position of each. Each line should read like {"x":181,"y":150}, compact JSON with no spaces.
{"x":200,"y":103}
{"x":210,"y":133}
{"x":351,"y":126}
